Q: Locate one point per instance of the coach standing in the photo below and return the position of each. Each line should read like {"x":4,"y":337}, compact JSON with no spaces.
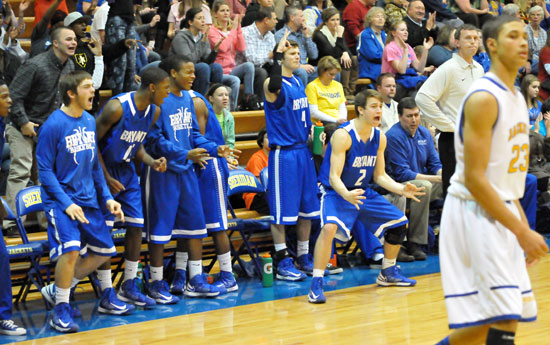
{"x":447,"y":86}
{"x":35,"y":95}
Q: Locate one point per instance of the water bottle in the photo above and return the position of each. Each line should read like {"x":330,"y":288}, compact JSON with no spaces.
{"x":318,"y":129}
{"x":267,"y":270}
{"x":139,"y":275}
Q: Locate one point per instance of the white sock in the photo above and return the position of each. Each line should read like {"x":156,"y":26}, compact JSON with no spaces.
{"x":388,"y":263}
{"x":377,"y":256}
{"x":74,"y":282}
{"x":303,"y":248}
{"x":195,"y":268}
{"x":225,"y":262}
{"x":280,"y":246}
{"x":130,"y":269}
{"x":61,"y":295}
{"x":318,"y":273}
{"x":156,"y":273}
{"x":104,"y":277}
{"x":181,"y":260}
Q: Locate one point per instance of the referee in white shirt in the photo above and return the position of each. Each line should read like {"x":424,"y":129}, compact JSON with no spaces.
{"x":440,"y":97}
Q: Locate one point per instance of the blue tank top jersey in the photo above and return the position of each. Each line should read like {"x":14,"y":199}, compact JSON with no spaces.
{"x":360,"y":159}
{"x":68,"y":166}
{"x":213,"y":131}
{"x":288,"y":120}
{"x":121,"y":143}
{"x":176,"y":132}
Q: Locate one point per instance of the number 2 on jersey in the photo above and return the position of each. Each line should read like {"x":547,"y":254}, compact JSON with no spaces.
{"x":363,"y":173}
{"x":516,"y":150}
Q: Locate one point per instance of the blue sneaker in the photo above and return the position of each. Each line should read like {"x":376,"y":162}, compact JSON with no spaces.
{"x":287,"y":271}
{"x":8,"y":327}
{"x":159,"y":292}
{"x":48,"y":292}
{"x":227,"y":280}
{"x":305,"y":263}
{"x":130,"y":293}
{"x":110,"y":304}
{"x":61,"y":320}
{"x":178,"y":283}
{"x":392,"y":276}
{"x":316,"y":294}
{"x":198,"y":287}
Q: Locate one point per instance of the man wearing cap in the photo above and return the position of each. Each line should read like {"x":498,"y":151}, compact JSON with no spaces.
{"x":34,"y":93}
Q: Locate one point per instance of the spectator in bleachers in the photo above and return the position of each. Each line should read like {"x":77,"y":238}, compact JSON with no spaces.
{"x":385,"y":84}
{"x":536,"y":38}
{"x":327,"y":101}
{"x":544,"y":70}
{"x":443,"y":48}
{"x":412,"y":158}
{"x":481,"y":56}
{"x":34,"y":98}
{"x":42,"y":6}
{"x":313,"y":13}
{"x":511,"y":10}
{"x":299,"y":34}
{"x":88,"y":6}
{"x":353,"y":18}
{"x":260,"y":42}
{"x":542,"y":125}
{"x":419,"y":29}
{"x":399,"y":58}
{"x":97,"y":29}
{"x":253,"y":8}
{"x":178,"y":11}
{"x":193,"y":43}
{"x":238,"y":7}
{"x":530,"y":86}
{"x":230,"y":30}
{"x":7,"y":326}
{"x":218,"y":96}
{"x":395,"y":10}
{"x":440,"y":97}
{"x":328,"y":37}
{"x":370,"y":47}
{"x":120,"y":25}
{"x":257,"y":162}
{"x":40,"y":37}
{"x":470,"y":11}
{"x":9,"y":42}
{"x":444,"y":15}
{"x":9,"y":65}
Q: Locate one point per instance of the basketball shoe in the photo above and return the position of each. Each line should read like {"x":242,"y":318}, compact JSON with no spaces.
{"x":316,"y":294}
{"x":159,"y":292}
{"x":61,"y":319}
{"x":287,"y":271}
{"x":228,"y":281}
{"x":178,"y":283}
{"x":199,"y":287}
{"x":305,"y":263}
{"x":130,"y":293}
{"x":392,"y":276}
{"x":8,"y":327}
{"x":48,"y":292}
{"x":110,"y":304}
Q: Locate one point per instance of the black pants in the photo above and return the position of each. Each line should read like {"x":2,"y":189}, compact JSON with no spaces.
{"x":447,"y":157}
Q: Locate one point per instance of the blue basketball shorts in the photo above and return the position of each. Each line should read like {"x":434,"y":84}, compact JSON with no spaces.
{"x":213,"y":187}
{"x":66,"y":235}
{"x":173,"y":207}
{"x":129,"y":198}
{"x":292,"y":185}
{"x":376,"y":213}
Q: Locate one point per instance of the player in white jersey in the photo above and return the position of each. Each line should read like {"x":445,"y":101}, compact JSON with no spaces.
{"x":485,"y":241}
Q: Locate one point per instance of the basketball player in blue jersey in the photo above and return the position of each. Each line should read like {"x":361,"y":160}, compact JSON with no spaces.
{"x":485,"y":240}
{"x":71,"y":185}
{"x":122,"y":126}
{"x":172,"y":199}
{"x":353,"y":160}
{"x":292,"y":179}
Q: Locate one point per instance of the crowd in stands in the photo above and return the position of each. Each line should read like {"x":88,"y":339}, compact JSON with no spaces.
{"x":415,"y":53}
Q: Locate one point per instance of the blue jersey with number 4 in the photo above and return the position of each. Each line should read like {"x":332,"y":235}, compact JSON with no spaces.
{"x":287,"y":119}
{"x":360,"y":159}
{"x":121,"y":143}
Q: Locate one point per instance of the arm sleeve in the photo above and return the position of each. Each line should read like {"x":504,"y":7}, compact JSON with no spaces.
{"x":276,"y":78}
{"x":426,"y":98}
{"x":97,"y":76}
{"x":398,"y":159}
{"x":15,"y":49}
{"x":46,"y":151}
{"x":343,"y":111}
{"x":319,"y":115}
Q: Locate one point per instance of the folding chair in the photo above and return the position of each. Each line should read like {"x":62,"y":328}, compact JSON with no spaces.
{"x":32,"y":251}
{"x":243,"y":181}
